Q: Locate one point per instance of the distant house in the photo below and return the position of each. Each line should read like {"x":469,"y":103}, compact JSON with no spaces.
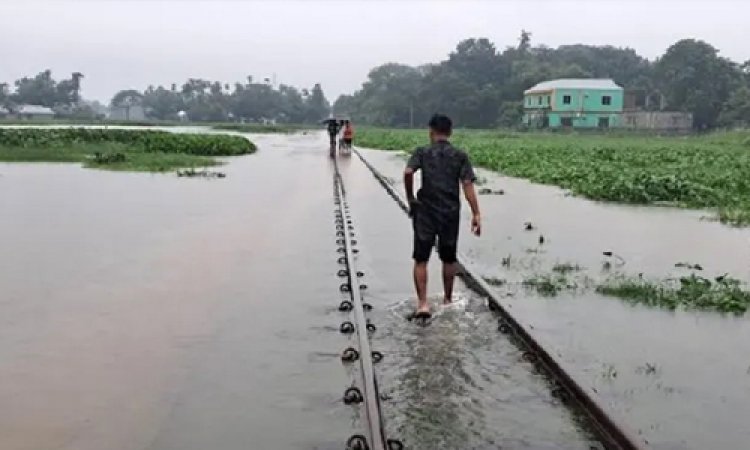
{"x":132,"y":112}
{"x":3,"y":112}
{"x":33,"y":112}
{"x":573,"y":103}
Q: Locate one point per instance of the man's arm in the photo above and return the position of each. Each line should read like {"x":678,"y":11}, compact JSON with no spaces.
{"x":471,"y":197}
{"x":409,"y":184}
{"x":414,"y":164}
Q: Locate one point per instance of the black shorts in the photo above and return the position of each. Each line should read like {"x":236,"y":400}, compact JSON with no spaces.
{"x":348,"y":142}
{"x":428,"y":226}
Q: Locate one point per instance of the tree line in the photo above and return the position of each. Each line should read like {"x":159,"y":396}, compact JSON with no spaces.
{"x":200,"y":100}
{"x":481,"y":86}
{"x":63,"y":96}
{"x":214,"y":101}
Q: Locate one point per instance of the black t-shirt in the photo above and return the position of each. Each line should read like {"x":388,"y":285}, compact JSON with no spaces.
{"x":333,"y":128}
{"x":443,"y":168}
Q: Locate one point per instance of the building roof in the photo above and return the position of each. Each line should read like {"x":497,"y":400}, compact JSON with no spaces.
{"x":574,"y":83}
{"x":34,"y":109}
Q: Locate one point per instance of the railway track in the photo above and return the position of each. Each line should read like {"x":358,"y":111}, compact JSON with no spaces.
{"x":610,"y":432}
{"x":365,"y":392}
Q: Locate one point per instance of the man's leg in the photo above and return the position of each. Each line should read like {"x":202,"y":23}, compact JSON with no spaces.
{"x":449,"y":275}
{"x":424,"y":239}
{"x":420,"y":284}
{"x":447,"y":248}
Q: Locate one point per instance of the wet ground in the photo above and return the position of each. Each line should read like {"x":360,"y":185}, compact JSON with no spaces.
{"x":681,"y":379}
{"x":147,"y":311}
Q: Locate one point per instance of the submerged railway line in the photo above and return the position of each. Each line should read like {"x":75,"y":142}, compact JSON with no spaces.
{"x":365,"y":394}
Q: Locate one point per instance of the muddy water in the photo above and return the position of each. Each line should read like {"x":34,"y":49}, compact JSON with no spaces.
{"x":456,"y":383}
{"x":147,"y":311}
{"x":681,"y":379}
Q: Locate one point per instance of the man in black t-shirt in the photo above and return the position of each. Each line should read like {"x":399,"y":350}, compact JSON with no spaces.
{"x":436,"y":209}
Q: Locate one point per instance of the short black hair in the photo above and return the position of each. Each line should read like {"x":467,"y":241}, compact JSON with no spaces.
{"x":441,"y":124}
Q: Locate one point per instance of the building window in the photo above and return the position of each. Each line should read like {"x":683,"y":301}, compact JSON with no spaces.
{"x":604,"y":122}
{"x":566,"y":99}
{"x":549,"y":100}
{"x":539,"y":99}
{"x":606,"y":100}
{"x":566,"y":121}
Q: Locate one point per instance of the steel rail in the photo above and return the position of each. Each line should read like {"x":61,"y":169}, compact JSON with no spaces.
{"x":611,"y":431}
{"x":376,"y":436}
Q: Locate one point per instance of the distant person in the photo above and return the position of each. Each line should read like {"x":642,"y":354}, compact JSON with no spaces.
{"x":333,"y":130}
{"x":348,"y":134}
{"x":435,"y":210}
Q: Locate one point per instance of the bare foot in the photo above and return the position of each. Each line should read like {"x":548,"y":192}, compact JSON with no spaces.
{"x":447,"y":301}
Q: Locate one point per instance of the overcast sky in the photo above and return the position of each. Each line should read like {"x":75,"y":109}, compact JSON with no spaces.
{"x":133,"y":43}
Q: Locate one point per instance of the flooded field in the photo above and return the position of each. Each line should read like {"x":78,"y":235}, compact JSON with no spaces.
{"x":156,"y":312}
{"x":681,"y":379}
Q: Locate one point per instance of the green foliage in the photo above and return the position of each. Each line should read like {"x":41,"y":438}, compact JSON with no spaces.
{"x":694,"y":78}
{"x":711,"y":171}
{"x":118,"y":149}
{"x":548,"y":285}
{"x":723,"y":294}
{"x":44,"y":90}
{"x":145,"y":140}
{"x":481,"y":86}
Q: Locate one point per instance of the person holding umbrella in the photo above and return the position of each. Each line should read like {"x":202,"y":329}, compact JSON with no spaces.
{"x":333,"y":126}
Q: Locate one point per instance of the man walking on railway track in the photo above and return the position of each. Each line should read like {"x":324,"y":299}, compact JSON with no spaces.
{"x":435,"y":211}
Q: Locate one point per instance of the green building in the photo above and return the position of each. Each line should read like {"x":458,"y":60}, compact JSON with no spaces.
{"x":573,"y":103}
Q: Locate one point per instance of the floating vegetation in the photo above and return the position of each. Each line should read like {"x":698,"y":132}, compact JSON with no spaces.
{"x":494,"y":281}
{"x":528,"y":226}
{"x":566,"y":268}
{"x":548,"y":285}
{"x":488,"y":191}
{"x":119,"y":149}
{"x":689,"y":266}
{"x":707,"y":171}
{"x":505,"y":262}
{"x":200,"y":173}
{"x":109,"y":158}
{"x":722,"y":294}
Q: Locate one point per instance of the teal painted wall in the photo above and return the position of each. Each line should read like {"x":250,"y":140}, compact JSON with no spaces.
{"x":585,"y":109}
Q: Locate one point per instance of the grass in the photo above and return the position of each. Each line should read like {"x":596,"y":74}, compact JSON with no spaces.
{"x":133,"y":159}
{"x":722,"y":294}
{"x":708,"y":171}
{"x":133,"y":150}
{"x":547,"y":285}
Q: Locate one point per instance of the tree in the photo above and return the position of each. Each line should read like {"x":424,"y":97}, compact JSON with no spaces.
{"x":736,"y":111}
{"x":316,"y":106}
{"x":40,"y":90}
{"x":694,"y":78}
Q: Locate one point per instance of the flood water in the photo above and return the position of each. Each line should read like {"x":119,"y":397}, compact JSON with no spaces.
{"x":680,"y":379}
{"x":143,"y":311}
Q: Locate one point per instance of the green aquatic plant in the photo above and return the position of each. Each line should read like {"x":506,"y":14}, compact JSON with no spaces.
{"x":722,"y":294}
{"x":565,"y":268}
{"x":119,"y":149}
{"x":708,"y":171}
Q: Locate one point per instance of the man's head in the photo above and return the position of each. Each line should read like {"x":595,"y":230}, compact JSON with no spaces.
{"x":441,"y":127}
